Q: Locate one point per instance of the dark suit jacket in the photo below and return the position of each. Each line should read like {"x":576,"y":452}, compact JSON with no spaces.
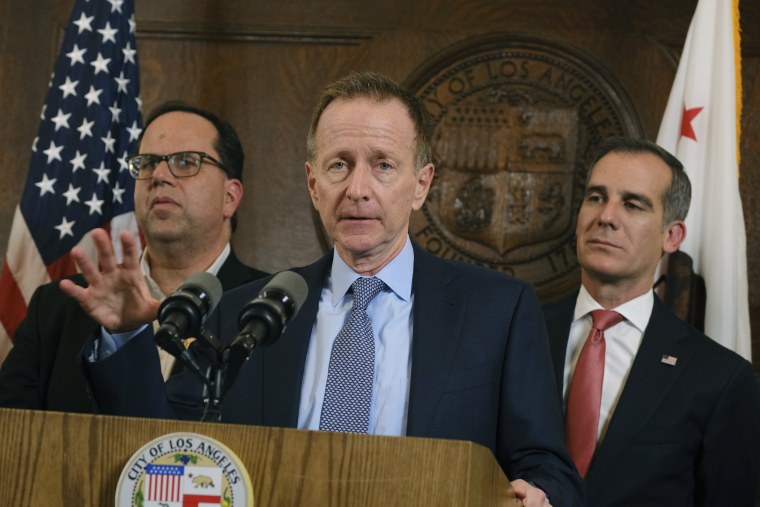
{"x":42,"y":370}
{"x":687,"y":434}
{"x":481,"y":371}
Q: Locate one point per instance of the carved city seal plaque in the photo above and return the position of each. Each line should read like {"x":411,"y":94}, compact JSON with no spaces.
{"x":516,"y":120}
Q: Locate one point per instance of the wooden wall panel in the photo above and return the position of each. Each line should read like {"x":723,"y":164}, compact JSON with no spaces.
{"x":261,"y":65}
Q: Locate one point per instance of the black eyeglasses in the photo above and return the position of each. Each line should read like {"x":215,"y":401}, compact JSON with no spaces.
{"x":182,"y":164}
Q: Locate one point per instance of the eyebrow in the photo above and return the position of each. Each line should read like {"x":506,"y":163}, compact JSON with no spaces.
{"x":627,"y":196}
{"x":644,"y":200}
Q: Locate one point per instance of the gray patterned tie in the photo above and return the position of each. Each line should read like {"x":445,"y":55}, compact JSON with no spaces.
{"x":348,"y":393}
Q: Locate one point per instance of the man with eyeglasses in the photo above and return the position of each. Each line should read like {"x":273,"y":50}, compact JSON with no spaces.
{"x":188,"y":188}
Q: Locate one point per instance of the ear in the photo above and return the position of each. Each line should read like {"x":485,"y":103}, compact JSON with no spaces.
{"x":424,"y":180}
{"x":311,"y":183}
{"x":233,"y":195}
{"x":675,"y":233}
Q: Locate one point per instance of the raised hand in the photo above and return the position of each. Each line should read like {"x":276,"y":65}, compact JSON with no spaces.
{"x":116,"y":295}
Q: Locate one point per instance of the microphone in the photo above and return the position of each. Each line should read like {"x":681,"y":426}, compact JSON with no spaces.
{"x":262,"y":320}
{"x":183,"y":313}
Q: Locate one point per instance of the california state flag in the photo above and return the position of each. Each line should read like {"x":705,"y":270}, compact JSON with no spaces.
{"x":701,"y":127}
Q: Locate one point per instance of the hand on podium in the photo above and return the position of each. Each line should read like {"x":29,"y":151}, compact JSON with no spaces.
{"x":530,"y":495}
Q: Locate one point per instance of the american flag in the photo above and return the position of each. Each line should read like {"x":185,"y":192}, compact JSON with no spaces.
{"x":163,"y":483}
{"x":78,"y":177}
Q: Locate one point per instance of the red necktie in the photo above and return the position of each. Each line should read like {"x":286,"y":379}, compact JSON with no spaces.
{"x":585,"y":394}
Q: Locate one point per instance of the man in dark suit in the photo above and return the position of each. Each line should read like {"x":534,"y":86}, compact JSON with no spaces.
{"x":186,"y":222}
{"x":678,"y":414}
{"x":457,"y":351}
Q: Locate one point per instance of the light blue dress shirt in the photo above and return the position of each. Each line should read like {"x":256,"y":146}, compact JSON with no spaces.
{"x":390,"y":313}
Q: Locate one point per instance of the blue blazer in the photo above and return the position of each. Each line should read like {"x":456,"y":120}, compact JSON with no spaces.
{"x":481,"y":371}
{"x":687,"y":434}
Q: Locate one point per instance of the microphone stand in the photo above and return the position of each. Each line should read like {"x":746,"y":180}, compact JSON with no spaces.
{"x":220,"y":376}
{"x":212,"y":394}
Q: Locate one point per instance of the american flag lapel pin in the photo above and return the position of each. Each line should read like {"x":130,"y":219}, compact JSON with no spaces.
{"x":669,"y":359}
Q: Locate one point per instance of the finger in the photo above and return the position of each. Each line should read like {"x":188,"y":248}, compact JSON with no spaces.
{"x":72,"y":290}
{"x":106,"y":255}
{"x":130,"y":250}
{"x":520,"y":487}
{"x":85,"y":265}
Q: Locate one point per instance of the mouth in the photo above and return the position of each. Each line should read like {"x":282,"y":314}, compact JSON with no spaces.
{"x":356,"y":221}
{"x":160,"y":202}
{"x":601,"y":243}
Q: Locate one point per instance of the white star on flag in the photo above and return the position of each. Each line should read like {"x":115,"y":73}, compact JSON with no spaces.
{"x":100,"y":64}
{"x":61,"y":120}
{"x":95,"y":205}
{"x":109,"y":142}
{"x":117,"y":191}
{"x":115,"y":112}
{"x":84,"y":23}
{"x":53,"y":152}
{"x":129,"y":53}
{"x":65,"y":228}
{"x":102,"y":173}
{"x":72,"y":194}
{"x":69,"y":87}
{"x":108,"y":33}
{"x":85,"y":129}
{"x":46,"y":185}
{"x":121,"y":82}
{"x":116,"y":5}
{"x":78,"y":161}
{"x":134,"y":131}
{"x":76,"y":55}
{"x":93,"y":96}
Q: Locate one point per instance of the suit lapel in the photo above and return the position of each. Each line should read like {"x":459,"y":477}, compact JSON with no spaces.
{"x":283,"y":362}
{"x":648,"y":382}
{"x":234,"y":273}
{"x":559,"y":317}
{"x":437,"y":322}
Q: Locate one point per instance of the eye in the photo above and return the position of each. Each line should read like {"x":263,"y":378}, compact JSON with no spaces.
{"x":632,"y":206}
{"x":594,"y":198}
{"x":338,"y":166}
{"x":148,"y":162}
{"x":186,"y":160}
{"x":384,"y":166}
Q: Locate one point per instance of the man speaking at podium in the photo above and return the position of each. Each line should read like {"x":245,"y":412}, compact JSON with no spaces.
{"x":390,"y":340}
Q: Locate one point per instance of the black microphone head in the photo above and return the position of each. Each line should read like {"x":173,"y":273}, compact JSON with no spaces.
{"x":290,"y":284}
{"x":204,"y":283}
{"x":263,"y":319}
{"x":186,"y":308}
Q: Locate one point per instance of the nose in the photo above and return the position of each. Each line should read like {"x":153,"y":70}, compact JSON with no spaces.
{"x":608,"y":214}
{"x":359,"y":183}
{"x":162,"y":172}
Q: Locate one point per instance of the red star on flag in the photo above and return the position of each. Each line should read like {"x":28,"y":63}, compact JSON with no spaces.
{"x":688,"y":115}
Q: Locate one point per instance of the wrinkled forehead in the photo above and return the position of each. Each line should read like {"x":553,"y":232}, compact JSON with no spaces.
{"x":363,"y":121}
{"x":641,"y":170}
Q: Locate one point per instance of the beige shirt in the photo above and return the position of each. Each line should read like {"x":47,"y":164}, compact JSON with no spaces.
{"x":167,"y":360}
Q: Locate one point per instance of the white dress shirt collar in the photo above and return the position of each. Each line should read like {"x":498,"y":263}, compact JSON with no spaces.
{"x":637,"y":311}
{"x":397,"y":275}
{"x":155,"y":291}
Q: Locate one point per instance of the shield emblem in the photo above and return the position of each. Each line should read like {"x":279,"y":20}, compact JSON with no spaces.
{"x":506,"y":173}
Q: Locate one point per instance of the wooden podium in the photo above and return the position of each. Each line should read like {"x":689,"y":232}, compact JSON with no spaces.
{"x":53,"y":458}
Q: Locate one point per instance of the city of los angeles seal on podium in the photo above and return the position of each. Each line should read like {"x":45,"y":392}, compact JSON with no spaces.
{"x":184,"y":470}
